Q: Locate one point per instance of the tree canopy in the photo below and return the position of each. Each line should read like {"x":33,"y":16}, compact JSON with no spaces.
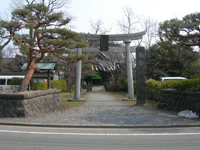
{"x":46,"y":33}
{"x":185,"y":31}
{"x":166,"y":59}
{"x":7,"y":30}
{"x":174,"y":54}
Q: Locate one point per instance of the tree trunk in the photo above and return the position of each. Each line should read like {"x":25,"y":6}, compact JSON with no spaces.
{"x":26,"y":80}
{"x":28,"y":76}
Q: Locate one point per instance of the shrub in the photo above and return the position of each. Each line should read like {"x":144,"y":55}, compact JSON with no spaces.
{"x":58,"y":84}
{"x":124,"y":85}
{"x":188,"y":85}
{"x":112,"y":87}
{"x":39,"y":85}
{"x":170,"y":84}
{"x":152,"y":89}
{"x":16,"y":81}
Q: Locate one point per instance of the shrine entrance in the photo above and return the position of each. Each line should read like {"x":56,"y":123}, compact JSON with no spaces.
{"x":104,"y":46}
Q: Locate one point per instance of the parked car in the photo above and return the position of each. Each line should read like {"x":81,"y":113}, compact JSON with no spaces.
{"x":39,"y":80}
{"x":172,"y":78}
{"x":6,"y":85}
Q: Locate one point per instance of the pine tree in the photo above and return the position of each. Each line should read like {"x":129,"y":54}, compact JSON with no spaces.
{"x":47,"y":34}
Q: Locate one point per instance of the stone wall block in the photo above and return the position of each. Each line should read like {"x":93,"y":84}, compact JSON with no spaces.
{"x":10,"y":109}
{"x":13,"y":115}
{"x":19,"y":110}
{"x":180,"y":100}
{"x":5,"y":103}
{"x":162,"y":105}
{"x":6,"y":115}
{"x":25,"y":102}
{"x":197,"y":108}
{"x":20,"y":102}
{"x":29,"y":104}
{"x":9,"y":103}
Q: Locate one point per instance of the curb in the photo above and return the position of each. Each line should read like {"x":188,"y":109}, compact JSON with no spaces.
{"x":96,"y":126}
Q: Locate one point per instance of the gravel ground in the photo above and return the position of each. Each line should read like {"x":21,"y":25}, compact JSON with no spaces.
{"x":102,"y":109}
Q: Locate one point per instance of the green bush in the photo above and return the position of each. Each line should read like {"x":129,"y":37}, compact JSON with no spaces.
{"x":152,"y":89}
{"x":16,"y":81}
{"x":55,"y":84}
{"x":39,"y":86}
{"x":124,"y":85}
{"x":112,"y":87}
{"x":59,"y":84}
{"x":188,"y":85}
{"x":169,"y":84}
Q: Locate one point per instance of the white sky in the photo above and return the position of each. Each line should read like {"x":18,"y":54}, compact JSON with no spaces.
{"x":109,"y":11}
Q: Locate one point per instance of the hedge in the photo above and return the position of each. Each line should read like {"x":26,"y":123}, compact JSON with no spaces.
{"x":55,"y":84}
{"x":58,"y":84}
{"x":153,"y":87}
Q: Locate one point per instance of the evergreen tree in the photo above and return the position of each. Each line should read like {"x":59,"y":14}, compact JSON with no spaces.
{"x":7,"y":30}
{"x":185,"y":31}
{"x":174,"y":54}
{"x":47,"y":34}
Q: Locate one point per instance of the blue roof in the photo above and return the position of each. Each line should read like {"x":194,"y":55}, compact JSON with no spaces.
{"x":42,"y":65}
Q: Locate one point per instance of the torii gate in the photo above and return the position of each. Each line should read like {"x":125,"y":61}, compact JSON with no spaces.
{"x":126,"y":38}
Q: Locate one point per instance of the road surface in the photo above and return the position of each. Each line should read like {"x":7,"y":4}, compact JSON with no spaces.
{"x":42,"y":138}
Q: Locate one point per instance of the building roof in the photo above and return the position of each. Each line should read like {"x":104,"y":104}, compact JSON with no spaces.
{"x":42,"y":65}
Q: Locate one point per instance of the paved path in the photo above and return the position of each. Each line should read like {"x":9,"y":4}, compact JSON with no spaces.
{"x":102,"y":109}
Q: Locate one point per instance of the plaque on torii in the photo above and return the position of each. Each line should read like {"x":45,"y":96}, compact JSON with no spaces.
{"x":126,"y":38}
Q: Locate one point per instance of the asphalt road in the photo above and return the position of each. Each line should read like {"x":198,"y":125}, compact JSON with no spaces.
{"x":42,"y":138}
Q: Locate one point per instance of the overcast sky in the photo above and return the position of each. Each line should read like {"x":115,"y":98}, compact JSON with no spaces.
{"x":109,"y":11}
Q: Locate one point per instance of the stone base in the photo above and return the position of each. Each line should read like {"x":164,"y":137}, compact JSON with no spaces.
{"x":29,"y":104}
{"x":127,"y":99}
{"x":76,"y":100}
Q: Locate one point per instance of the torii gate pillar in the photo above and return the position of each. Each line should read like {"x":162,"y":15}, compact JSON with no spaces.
{"x":129,"y":71}
{"x":78,"y":79}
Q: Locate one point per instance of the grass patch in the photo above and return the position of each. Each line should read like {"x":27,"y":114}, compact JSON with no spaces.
{"x":121,"y":95}
{"x":68,"y":104}
{"x":150,"y":104}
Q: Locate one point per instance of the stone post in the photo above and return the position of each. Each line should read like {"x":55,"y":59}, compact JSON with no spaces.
{"x":140,"y":75}
{"x":78,"y":79}
{"x":129,"y":71}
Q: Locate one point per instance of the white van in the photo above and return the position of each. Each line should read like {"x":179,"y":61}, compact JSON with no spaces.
{"x":6,"y":86}
{"x":172,"y":78}
{"x":39,"y":80}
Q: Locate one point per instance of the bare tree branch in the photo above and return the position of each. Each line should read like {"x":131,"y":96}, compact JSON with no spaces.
{"x":129,"y":21}
{"x":151,"y":27}
{"x":98,"y":27}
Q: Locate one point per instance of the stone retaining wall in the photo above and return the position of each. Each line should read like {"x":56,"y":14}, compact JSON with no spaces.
{"x":180,"y":100}
{"x":29,"y":103}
